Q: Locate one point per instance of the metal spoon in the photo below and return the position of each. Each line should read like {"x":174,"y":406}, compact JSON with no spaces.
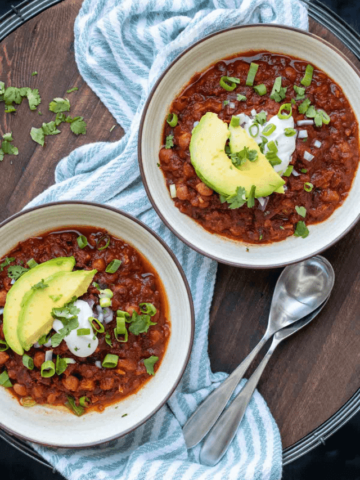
{"x":300,"y":289}
{"x":220,"y":437}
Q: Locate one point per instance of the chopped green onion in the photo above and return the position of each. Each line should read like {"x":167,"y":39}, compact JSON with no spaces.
{"x":108,"y":339}
{"x":308,"y":186}
{"x":301,"y":211}
{"x":113,"y":266}
{"x":61,"y":364}
{"x":300,"y":92}
{"x":311,"y":112}
{"x":229,"y":83}
{"x":287,"y":107}
{"x":106,"y":293}
{"x":83,"y":331}
{"x":105,"y":302}
{"x":269,"y":129}
{"x":28,"y":362}
{"x":306,"y":81}
{"x":318,"y":120}
{"x":148,"y":308}
{"x":48,"y":369}
{"x":84,"y":401}
{"x":302,"y":108}
{"x":110,"y":361}
{"x":251,"y":197}
{"x":27,"y":402}
{"x":252,"y":127}
{"x":301,"y":230}
{"x":71,"y":405}
{"x":82,"y":241}
{"x":240,"y":98}
{"x":271,"y":154}
{"x":251,"y":74}
{"x":172,"y":119}
{"x":225,"y":102}
{"x":106,"y":238}
{"x":278,"y":93}
{"x":303,"y":170}
{"x":260,"y":89}
{"x":149,"y":364}
{"x":121,"y":313}
{"x":3,"y":346}
{"x":121,"y":329}
{"x":290,"y":132}
{"x":99,"y":328}
{"x":325,"y":117}
{"x":235,"y":121}
{"x":288,"y":171}
{"x":169,"y":141}
{"x":5,"y":380}
{"x":42,"y":340}
{"x":32,"y":263}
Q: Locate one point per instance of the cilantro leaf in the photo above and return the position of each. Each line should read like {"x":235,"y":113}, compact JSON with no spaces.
{"x":78,"y":126}
{"x":24,"y":91}
{"x":8,"y":148}
{"x":16,"y":271}
{"x":239,"y":158}
{"x":34,"y":73}
{"x":34,"y":98}
{"x":59,"y":105}
{"x":300,"y":92}
{"x":40,"y":285}
{"x":301,"y":230}
{"x":1,"y":155}
{"x":55,"y":298}
{"x":260,"y":118}
{"x":74,"y":89}
{"x":37,"y":134}
{"x":2,"y":88}
{"x":140,"y":323}
{"x":311,"y":112}
{"x":264,"y":141}
{"x":50,"y":128}
{"x":10,"y":109}
{"x":251,"y":197}
{"x":8,"y":137}
{"x":169,"y":141}
{"x":302,"y":108}
{"x":12,"y":94}
{"x":240,"y":98}
{"x":238,"y":199}
{"x":278,"y":92}
{"x":149,"y":364}
{"x":60,"y":118}
{"x":6,"y":262}
{"x":299,"y":210}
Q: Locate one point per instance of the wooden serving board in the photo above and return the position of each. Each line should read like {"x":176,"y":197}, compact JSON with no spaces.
{"x":311,"y":375}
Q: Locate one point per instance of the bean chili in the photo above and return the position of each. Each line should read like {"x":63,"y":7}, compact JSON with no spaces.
{"x":135,"y":282}
{"x":321,"y":184}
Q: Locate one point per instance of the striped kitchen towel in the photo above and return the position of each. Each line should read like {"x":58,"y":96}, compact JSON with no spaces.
{"x":121,"y":48}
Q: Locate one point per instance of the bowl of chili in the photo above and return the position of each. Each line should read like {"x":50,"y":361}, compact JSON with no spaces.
{"x":261,"y":77}
{"x":136,"y":318}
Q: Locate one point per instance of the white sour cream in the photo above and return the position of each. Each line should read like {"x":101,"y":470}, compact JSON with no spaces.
{"x":286,"y":145}
{"x":84,"y":345}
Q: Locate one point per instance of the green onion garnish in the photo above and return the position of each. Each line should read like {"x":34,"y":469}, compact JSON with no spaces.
{"x":251,"y":74}
{"x":82,"y":241}
{"x":5,"y":380}
{"x":83,"y":331}
{"x":104,"y":238}
{"x":302,"y":108}
{"x":108,"y":339}
{"x":288,"y":171}
{"x":260,"y":89}
{"x":61,"y":364}
{"x":229,"y":83}
{"x":287,"y":107}
{"x":28,"y":362}
{"x":105,"y":302}
{"x":311,"y":112}
{"x":149,"y":364}
{"x":271,"y":154}
{"x":300,"y":92}
{"x":148,"y":308}
{"x":251,"y":197}
{"x":27,"y":402}
{"x":301,"y":211}
{"x":240,"y":98}
{"x":84,"y":401}
{"x":290,"y":132}
{"x":172,"y":119}
{"x":169,"y":141}
{"x":256,"y":126}
{"x":113,"y":266}
{"x":278,"y":93}
{"x":303,"y":170}
{"x":48,"y":369}
{"x":99,"y":328}
{"x":32,"y":263}
{"x":235,"y":121}
{"x":110,"y":361}
{"x":3,"y":346}
{"x":269,"y":129}
{"x":306,"y":81}
{"x":71,"y":405}
{"x":308,"y":186}
{"x":325,"y":117}
{"x":121,"y":329}
{"x":301,"y":230}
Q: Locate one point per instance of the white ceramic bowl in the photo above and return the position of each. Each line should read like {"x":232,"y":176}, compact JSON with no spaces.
{"x":59,"y":428}
{"x":206,"y":52}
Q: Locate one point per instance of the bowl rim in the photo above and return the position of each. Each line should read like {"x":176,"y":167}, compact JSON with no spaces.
{"x":141,"y":162}
{"x":192,"y":317}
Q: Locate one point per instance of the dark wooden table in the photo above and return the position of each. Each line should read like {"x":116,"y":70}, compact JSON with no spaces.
{"x":311,"y":375}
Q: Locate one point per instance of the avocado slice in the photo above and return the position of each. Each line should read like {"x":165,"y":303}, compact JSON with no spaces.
{"x":19,"y":289}
{"x":35,"y":315}
{"x":214,"y":167}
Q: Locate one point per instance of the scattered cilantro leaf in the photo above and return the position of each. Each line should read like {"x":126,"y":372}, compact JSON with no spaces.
{"x":149,"y":364}
{"x":40,"y":113}
{"x":278,"y":92}
{"x":302,"y":108}
{"x":300,"y":92}
{"x":299,"y":210}
{"x":78,"y":126}
{"x":16,"y":271}
{"x":10,"y":109}
{"x":237,"y":200}
{"x":34,"y":73}
{"x":34,"y":98}
{"x":60,"y":118}
{"x":226,"y":102}
{"x":8,"y":137}
{"x":37,"y":134}
{"x":288,"y":171}
{"x":74,"y":89}
{"x":239,"y":158}
{"x":264,"y":141}
{"x":59,"y":105}
{"x":240,"y":98}
{"x":1,"y":155}
{"x":2,"y":88}
{"x":40,"y":285}
{"x":260,"y":118}
{"x":6,"y":262}
{"x":8,"y":148}
{"x":140,"y":323}
{"x":50,"y":128}
{"x":11,"y":95}
{"x":301,"y":230}
{"x":169,"y":143}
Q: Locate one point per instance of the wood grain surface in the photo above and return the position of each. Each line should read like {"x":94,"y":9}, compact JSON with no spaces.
{"x":312,"y":374}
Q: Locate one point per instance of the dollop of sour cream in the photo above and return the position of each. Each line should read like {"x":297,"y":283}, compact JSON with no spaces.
{"x":84,"y":345}
{"x":286,"y":145}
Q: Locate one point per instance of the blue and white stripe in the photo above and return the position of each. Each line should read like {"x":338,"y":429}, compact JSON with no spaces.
{"x":121,"y":48}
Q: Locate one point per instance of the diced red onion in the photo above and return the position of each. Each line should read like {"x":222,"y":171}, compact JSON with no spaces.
{"x":303,"y":134}
{"x":48,"y":343}
{"x":98,"y":364}
{"x":263,"y":201}
{"x":173,"y":190}
{"x":196,"y":123}
{"x":317,"y":144}
{"x":308,"y":156}
{"x":296,"y":174}
{"x":232,"y":105}
{"x":285,"y":188}
{"x":1,"y":311}
{"x":305,"y":122}
{"x":48,"y":355}
{"x":100,"y":315}
{"x":90,"y":302}
{"x":253,"y":112}
{"x":108,"y":315}
{"x":37,"y":345}
{"x":12,"y":281}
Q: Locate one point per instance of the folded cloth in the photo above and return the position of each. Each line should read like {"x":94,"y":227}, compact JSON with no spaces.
{"x":121,"y":48}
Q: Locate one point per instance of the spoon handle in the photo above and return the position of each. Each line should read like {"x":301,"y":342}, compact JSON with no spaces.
{"x":220,"y":437}
{"x":204,"y":417}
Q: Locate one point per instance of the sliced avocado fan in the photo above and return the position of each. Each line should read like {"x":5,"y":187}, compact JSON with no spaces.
{"x":214,"y":167}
